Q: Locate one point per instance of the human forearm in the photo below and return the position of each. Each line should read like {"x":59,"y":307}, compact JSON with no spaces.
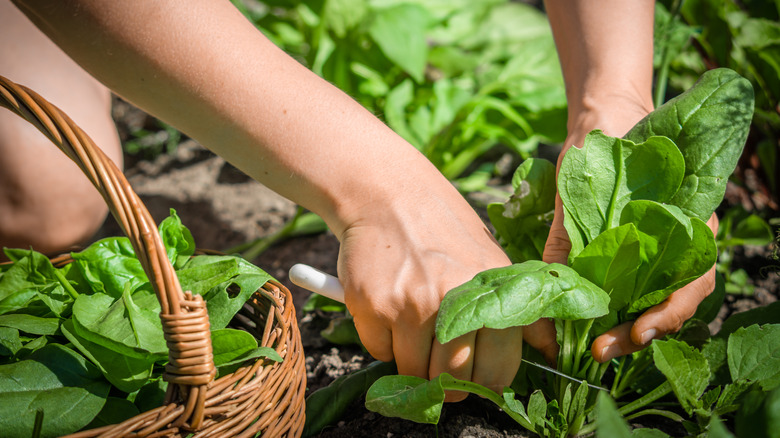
{"x":204,"y":68}
{"x":606,"y":54}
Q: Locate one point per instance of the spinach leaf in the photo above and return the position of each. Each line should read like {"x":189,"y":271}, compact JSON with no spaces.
{"x":10,"y":342}
{"x":518,"y":295}
{"x":611,"y":261}
{"x":177,"y":239}
{"x":232,"y":348}
{"x":228,"y":344}
{"x":754,"y":355}
{"x":709,"y":123}
{"x":115,"y":411}
{"x":30,"y":324}
{"x":226,"y":298}
{"x":129,"y":325}
{"x":521,"y":222}
{"x":203,"y":273}
{"x":326,"y":405}
{"x":151,"y":395}
{"x":109,"y":264}
{"x":408,"y":397}
{"x":69,"y":390}
{"x":674,"y":249}
{"x":399,"y":31}
{"x":125,"y":372}
{"x":33,"y":284}
{"x":598,"y":180}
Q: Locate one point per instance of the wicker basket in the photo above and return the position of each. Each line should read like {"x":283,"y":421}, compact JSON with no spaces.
{"x":264,"y":398}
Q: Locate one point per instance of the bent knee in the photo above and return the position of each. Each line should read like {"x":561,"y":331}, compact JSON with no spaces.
{"x":51,"y":222}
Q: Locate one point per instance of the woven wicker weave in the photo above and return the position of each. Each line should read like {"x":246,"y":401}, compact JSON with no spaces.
{"x":263,"y":398}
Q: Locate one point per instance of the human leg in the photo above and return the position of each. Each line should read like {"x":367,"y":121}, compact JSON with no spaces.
{"x":45,"y":200}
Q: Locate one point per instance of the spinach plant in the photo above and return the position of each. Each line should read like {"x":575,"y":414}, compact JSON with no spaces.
{"x":82,"y":345}
{"x":635,"y":210}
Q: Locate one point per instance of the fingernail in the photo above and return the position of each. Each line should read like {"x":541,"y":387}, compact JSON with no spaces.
{"x":647,"y":336}
{"x":610,"y":352}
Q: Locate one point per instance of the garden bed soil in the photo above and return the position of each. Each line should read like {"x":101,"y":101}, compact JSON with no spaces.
{"x":224,"y":208}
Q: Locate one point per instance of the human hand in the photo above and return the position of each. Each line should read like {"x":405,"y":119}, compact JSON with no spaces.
{"x":660,"y":320}
{"x":396,"y":263}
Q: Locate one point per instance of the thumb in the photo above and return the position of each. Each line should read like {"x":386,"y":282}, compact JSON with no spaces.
{"x":558,"y":246}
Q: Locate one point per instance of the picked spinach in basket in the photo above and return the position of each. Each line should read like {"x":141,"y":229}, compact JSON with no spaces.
{"x":72,"y":336}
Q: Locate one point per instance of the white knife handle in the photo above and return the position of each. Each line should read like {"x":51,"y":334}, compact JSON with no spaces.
{"x":317,"y":281}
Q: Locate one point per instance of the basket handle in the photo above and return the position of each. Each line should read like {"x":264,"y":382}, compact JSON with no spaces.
{"x":185,"y":320}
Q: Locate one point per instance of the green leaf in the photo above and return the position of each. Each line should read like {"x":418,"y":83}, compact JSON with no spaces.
{"x":767,"y":314}
{"x":709,"y":123}
{"x":30,"y":324}
{"x":341,"y":331}
{"x":202,"y":273}
{"x":513,"y":404}
{"x":327,"y":405}
{"x":754,"y":355}
{"x":685,"y":368}
{"x":759,"y":415}
{"x":521,"y":222}
{"x":126,"y":373}
{"x":69,"y":390}
{"x":266,"y":353}
{"x":408,"y":397}
{"x":229,"y":344}
{"x":29,"y":279}
{"x":109,"y":264}
{"x":610,"y":262}
{"x":518,"y":295}
{"x":10,"y":343}
{"x":598,"y":180}
{"x":115,"y":411}
{"x":151,"y":395}
{"x":395,"y":111}
{"x":534,"y":189}
{"x":399,"y":31}
{"x":537,"y":409}
{"x":729,"y":397}
{"x":225,"y":300}
{"x":609,"y":422}
{"x":321,"y":302}
{"x":675,"y":250}
{"x":129,"y":325}
{"x":177,"y":239}
{"x":344,"y":15}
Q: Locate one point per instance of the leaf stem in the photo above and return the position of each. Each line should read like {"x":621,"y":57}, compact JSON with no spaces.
{"x":66,"y":284}
{"x":474,"y":388}
{"x":668,"y":414}
{"x":662,"y":390}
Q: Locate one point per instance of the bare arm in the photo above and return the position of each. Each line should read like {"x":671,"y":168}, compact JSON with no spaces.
{"x":201,"y":66}
{"x":407,"y":236}
{"x":606,"y":53}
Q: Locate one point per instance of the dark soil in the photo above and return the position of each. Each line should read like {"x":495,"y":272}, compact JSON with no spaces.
{"x":224,"y":208}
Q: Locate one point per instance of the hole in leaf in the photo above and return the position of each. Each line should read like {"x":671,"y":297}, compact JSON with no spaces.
{"x":554,"y":273}
{"x":233,"y":290}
